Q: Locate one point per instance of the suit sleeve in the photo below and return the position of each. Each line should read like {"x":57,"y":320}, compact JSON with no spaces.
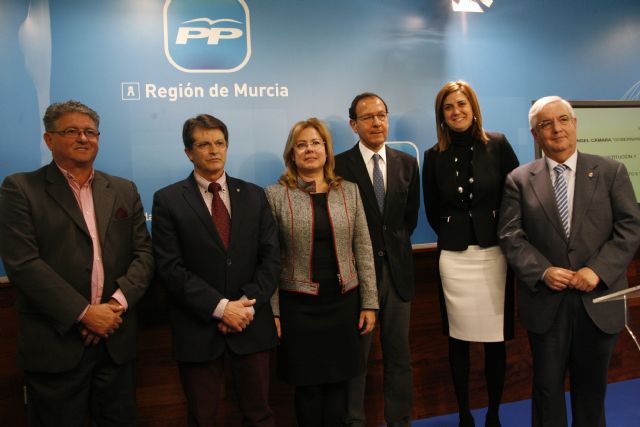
{"x":508,"y":159}
{"x":51,"y":295}
{"x":413,"y":199}
{"x":363,"y":252}
{"x":430,"y":190}
{"x":135,"y":281}
{"x":614,"y":256}
{"x":527,"y":262}
{"x":187,"y":288}
{"x":275,"y":298}
{"x":268,"y":269}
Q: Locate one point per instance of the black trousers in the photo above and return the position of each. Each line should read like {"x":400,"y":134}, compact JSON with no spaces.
{"x":323,"y":405}
{"x":576,"y":344}
{"x":394,"y":319}
{"x":97,"y":388}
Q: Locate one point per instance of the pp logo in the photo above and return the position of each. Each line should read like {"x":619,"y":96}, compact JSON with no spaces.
{"x":207,"y":36}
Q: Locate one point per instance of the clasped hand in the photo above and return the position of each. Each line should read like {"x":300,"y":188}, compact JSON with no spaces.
{"x":559,"y":279}
{"x":100,"y":321}
{"x":236,"y":316}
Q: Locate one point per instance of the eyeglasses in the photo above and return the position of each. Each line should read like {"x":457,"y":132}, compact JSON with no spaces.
{"x":89,"y":133}
{"x":546,"y":124}
{"x":314,"y":144}
{"x":382,"y":116}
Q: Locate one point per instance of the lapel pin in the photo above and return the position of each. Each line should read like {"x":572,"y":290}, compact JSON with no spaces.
{"x":590,"y":174}
{"x":237,"y":190}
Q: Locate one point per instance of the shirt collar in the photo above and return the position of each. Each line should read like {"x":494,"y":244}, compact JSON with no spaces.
{"x":72,"y":179}
{"x":572,"y":161}
{"x":203,"y":183}
{"x":367,"y":153}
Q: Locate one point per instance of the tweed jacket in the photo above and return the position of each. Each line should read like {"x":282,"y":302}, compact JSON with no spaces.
{"x":293,"y":211}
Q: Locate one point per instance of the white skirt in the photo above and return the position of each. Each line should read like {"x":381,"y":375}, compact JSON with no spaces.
{"x":474,"y":285}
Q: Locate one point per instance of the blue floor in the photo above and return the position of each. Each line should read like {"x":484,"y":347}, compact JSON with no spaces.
{"x":622,"y":405}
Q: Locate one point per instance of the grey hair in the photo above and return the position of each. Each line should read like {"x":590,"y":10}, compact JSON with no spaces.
{"x":58,"y":109}
{"x":543,"y":102}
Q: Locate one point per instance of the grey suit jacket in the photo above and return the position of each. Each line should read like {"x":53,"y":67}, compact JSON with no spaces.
{"x":48,"y":254}
{"x":605,"y":233}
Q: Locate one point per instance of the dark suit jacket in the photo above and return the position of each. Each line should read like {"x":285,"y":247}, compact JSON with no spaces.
{"x":446,"y":213}
{"x":48,"y":253}
{"x":390,"y":231}
{"x":198,"y":272}
{"x":605,"y":233}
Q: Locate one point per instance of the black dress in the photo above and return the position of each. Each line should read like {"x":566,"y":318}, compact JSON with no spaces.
{"x":320,"y":334}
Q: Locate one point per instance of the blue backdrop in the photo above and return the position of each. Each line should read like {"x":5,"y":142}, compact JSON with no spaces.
{"x":147,"y":65}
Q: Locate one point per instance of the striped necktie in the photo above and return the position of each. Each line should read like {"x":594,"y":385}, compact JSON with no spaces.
{"x":378,"y":182}
{"x":562,"y":200}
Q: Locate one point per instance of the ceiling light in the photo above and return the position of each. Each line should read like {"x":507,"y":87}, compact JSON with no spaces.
{"x":469,"y":5}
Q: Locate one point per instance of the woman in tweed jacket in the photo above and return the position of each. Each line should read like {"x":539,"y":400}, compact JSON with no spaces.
{"x":327,"y":294}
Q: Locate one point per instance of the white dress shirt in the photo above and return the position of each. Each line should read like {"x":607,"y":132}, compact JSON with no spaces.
{"x":367,"y":155}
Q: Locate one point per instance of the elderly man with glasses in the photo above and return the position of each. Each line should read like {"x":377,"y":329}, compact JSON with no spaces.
{"x":569,"y":227}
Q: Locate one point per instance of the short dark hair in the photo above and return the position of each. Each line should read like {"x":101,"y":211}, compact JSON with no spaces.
{"x":59,"y":109}
{"x":204,"y":121}
{"x":358,"y":98}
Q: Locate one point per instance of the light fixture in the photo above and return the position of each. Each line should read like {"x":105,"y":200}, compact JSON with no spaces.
{"x":470,"y":5}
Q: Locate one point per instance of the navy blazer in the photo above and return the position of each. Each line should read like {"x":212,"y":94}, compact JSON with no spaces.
{"x":391,"y":230}
{"x":198,"y":271}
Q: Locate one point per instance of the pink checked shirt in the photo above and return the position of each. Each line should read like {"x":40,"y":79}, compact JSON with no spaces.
{"x":84,"y":197}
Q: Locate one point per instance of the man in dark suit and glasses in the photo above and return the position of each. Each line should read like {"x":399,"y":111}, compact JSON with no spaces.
{"x":390,"y":187}
{"x":569,"y":227}
{"x":216,"y":248}
{"x":76,"y":247}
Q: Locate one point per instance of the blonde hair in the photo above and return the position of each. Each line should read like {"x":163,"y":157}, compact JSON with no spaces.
{"x":290,"y":175}
{"x":444,"y":133}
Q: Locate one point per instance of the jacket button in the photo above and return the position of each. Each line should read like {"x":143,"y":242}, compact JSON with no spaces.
{"x":228,"y":262}
{"x":380,"y":253}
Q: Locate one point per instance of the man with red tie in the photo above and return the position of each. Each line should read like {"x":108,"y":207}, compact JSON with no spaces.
{"x":216,"y":247}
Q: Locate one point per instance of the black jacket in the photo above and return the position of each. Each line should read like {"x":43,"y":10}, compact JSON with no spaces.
{"x":390,"y":231}
{"x":448,"y":215}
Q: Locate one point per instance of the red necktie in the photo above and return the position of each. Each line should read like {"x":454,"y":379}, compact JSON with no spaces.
{"x":220,"y":214}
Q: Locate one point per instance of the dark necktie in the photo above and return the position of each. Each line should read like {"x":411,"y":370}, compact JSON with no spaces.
{"x":378,"y":182}
{"x":220,"y":214}
{"x":562,"y":200}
